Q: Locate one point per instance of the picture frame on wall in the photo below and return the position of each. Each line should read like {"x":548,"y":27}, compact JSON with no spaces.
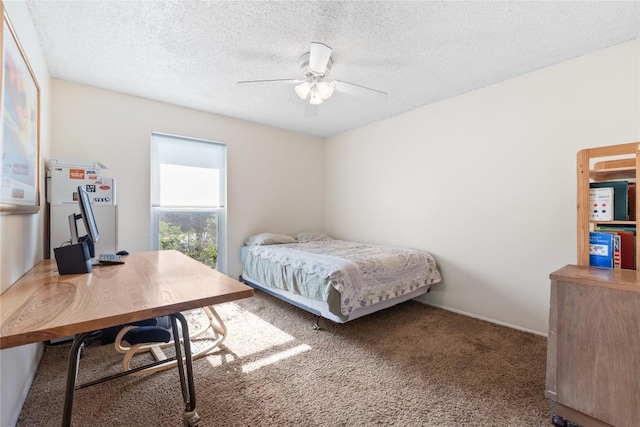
{"x":20,"y":127}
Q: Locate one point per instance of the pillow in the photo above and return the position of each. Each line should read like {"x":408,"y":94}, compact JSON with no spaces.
{"x":269,"y":239}
{"x":311,"y":236}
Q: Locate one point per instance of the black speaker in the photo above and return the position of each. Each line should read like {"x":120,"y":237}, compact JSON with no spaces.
{"x":73,"y":259}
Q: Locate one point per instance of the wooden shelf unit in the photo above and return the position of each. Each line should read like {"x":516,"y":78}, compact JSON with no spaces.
{"x":596,"y":165}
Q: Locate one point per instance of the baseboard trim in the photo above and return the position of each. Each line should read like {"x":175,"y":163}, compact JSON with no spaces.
{"x":476,"y":316}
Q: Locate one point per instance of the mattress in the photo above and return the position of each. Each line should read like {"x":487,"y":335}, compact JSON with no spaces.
{"x":337,"y":279}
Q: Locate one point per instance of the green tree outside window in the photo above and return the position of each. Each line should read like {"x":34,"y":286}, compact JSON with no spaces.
{"x":193,"y":234}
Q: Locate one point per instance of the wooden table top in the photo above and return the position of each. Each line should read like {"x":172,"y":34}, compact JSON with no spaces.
{"x":44,"y":305}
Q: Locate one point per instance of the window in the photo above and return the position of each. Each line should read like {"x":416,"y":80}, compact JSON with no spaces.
{"x":188,"y":195}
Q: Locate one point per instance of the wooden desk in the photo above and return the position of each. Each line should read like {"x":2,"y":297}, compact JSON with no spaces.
{"x":44,"y":305}
{"x":593,"y":350}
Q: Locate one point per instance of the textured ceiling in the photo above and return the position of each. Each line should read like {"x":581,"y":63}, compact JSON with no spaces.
{"x":193,"y":53}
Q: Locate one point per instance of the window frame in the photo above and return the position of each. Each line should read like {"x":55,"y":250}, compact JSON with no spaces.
{"x":221,"y":211}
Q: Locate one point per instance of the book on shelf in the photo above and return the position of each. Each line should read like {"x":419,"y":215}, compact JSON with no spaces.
{"x":632,"y":201}
{"x":627,"y":244}
{"x":617,"y":227}
{"x":601,"y":249}
{"x":617,"y":263}
{"x":601,"y":203}
{"x":620,"y":198}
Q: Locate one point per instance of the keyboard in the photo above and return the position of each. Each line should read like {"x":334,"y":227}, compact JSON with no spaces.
{"x":110,"y":259}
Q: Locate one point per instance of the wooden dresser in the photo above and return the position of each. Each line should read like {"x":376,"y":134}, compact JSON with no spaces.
{"x":593,"y":354}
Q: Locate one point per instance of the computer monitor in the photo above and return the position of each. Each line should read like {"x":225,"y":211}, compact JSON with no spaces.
{"x":86,"y":213}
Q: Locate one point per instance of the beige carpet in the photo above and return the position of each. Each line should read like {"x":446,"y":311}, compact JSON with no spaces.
{"x":410,"y":365}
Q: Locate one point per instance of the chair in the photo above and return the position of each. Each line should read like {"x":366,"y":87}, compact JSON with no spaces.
{"x":153,"y":335}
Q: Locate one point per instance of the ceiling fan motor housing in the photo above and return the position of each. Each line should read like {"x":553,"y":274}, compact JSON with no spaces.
{"x":308,"y":72}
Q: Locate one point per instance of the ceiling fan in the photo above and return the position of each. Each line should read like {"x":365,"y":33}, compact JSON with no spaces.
{"x":315,"y":66}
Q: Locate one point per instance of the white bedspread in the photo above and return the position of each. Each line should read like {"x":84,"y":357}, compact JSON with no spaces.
{"x":363,"y":274}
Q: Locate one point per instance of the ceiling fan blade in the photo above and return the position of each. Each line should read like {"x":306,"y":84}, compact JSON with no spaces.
{"x":357,"y":90}
{"x":319,"y":57}
{"x":291,"y":81}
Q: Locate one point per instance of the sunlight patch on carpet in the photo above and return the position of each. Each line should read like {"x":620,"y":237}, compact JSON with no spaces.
{"x":253,"y":341}
{"x":270,"y":360}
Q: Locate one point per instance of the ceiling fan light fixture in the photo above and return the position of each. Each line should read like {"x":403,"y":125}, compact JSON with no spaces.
{"x":303,"y":89}
{"x":325,"y":90}
{"x":315,"y":99}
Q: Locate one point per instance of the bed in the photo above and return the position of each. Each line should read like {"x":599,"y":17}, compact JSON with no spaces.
{"x":336,"y":279}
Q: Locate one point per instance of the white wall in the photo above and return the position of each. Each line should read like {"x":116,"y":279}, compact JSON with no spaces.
{"x":486,"y":181}
{"x":274,"y":177}
{"x":22,"y":236}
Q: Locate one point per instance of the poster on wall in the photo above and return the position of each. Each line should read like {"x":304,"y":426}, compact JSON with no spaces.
{"x":20,"y":127}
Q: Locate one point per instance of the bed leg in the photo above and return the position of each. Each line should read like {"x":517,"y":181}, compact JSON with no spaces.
{"x":316,"y":326}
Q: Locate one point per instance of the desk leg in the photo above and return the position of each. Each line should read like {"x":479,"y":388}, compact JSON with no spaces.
{"x":72,"y":375}
{"x":190,"y":416}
